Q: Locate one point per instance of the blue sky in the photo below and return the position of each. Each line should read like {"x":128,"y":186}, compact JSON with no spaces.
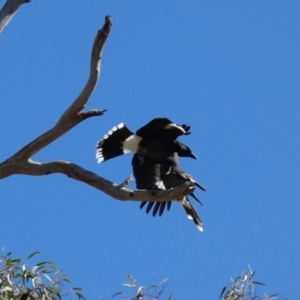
{"x":230,"y":69}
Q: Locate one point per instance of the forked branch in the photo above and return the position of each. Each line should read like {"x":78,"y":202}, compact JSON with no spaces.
{"x":22,"y":163}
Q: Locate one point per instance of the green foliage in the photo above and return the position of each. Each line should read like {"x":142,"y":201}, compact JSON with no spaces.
{"x":21,"y":281}
{"x":153,"y":292}
{"x":244,"y":287}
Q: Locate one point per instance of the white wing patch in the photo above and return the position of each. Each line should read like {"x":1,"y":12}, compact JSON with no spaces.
{"x":160,"y":185}
{"x":131,"y":144}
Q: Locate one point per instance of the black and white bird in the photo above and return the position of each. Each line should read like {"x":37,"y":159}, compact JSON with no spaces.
{"x":162,"y":175}
{"x":155,"y":140}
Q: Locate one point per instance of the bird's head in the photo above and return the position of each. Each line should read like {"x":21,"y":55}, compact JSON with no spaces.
{"x":185,"y":151}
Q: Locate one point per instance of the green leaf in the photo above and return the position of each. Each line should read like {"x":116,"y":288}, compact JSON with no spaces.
{"x":17,"y":260}
{"x":33,"y":254}
{"x":170,"y":297}
{"x":116,"y":294}
{"x":223,"y":290}
{"x":256,"y":282}
{"x":9,"y":263}
{"x":52,"y":290}
{"x":67,"y":280}
{"x":80,"y":296}
{"x":47,"y":262}
{"x":274,"y":295}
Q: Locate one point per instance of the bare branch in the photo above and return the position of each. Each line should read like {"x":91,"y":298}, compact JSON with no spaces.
{"x":21,"y":163}
{"x":91,"y":113}
{"x":83,"y":98}
{"x":76,"y":172}
{"x":127,"y":181}
{"x":72,"y":115}
{"x":8,"y":10}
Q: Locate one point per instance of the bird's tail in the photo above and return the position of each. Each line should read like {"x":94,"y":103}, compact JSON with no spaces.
{"x":159,"y":206}
{"x":112,"y":144}
{"x":191,"y":212}
{"x":200,"y":186}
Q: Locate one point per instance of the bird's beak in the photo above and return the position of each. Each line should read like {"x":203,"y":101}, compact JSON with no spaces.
{"x":192,"y":155}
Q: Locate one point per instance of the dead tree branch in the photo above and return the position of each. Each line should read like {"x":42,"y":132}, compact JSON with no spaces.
{"x":8,"y":10}
{"x":22,"y":163}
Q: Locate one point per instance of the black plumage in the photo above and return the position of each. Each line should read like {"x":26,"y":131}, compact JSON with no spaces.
{"x":162,"y":175}
{"x":156,"y":140}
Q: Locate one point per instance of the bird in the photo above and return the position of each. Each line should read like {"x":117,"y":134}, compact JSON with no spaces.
{"x":156,"y":140}
{"x":165,"y":174}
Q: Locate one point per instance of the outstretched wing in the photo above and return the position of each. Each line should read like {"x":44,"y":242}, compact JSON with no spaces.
{"x":164,"y":128}
{"x":112,"y":144}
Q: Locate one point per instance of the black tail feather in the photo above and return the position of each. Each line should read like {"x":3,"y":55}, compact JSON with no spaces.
{"x":191,"y":213}
{"x":162,"y":208}
{"x":169,"y":203}
{"x":149,"y":207}
{"x":200,"y":186}
{"x":155,"y":209}
{"x":193,"y":196}
{"x":143,"y":204}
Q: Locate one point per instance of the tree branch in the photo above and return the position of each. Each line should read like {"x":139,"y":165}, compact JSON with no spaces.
{"x":83,"y":98}
{"x":21,"y":162}
{"x":120,"y":192}
{"x":8,"y":10}
{"x":73,"y":115}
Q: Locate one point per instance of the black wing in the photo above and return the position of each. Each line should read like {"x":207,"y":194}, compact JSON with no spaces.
{"x":148,"y":175}
{"x":172,"y":176}
{"x":163,"y":127}
{"x":112,"y":143}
